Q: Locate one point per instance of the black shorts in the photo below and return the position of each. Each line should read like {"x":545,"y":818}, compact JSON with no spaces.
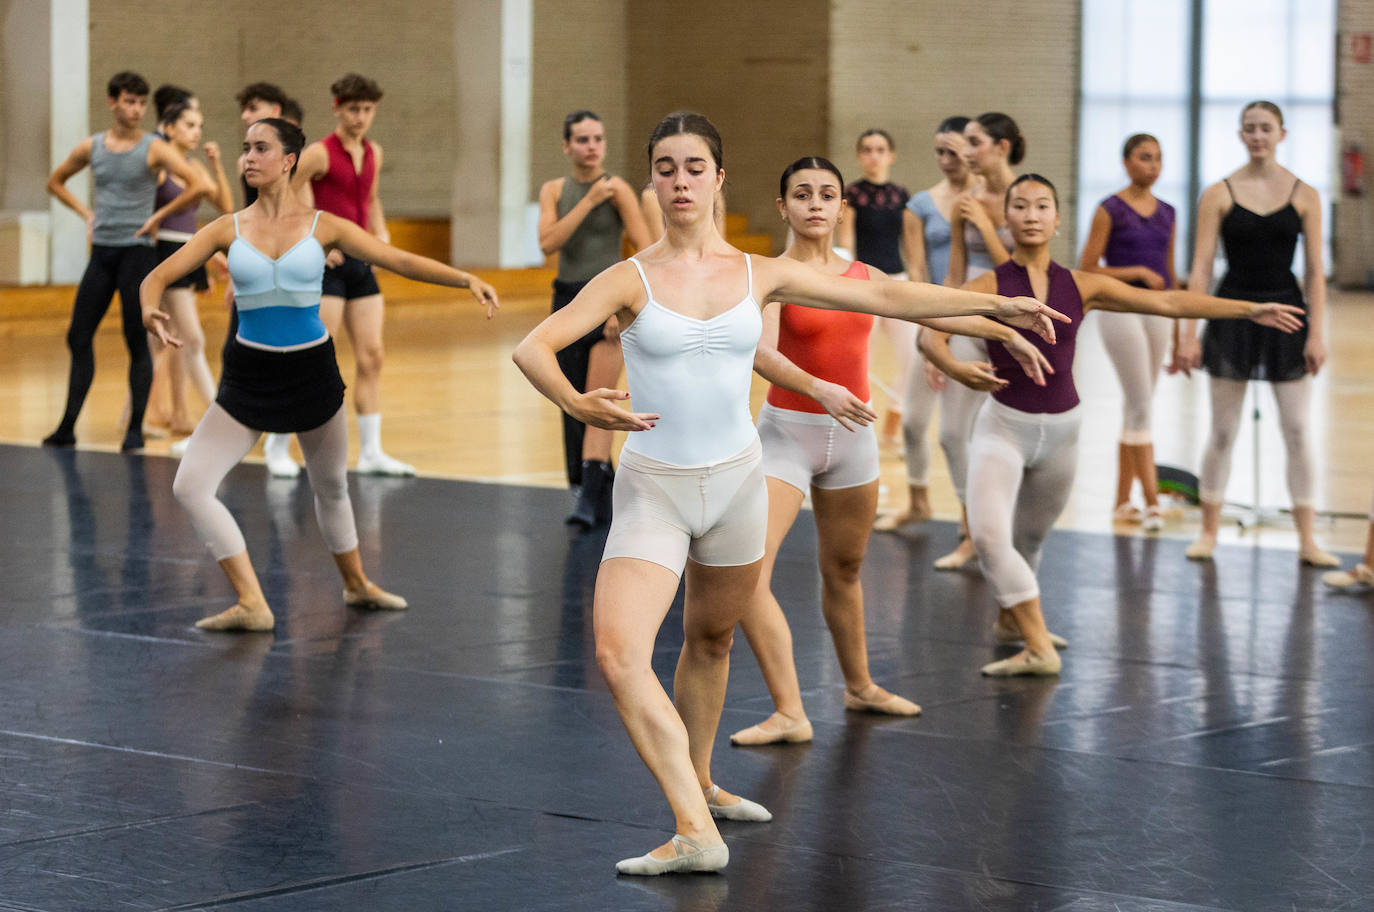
{"x":349,"y":280}
{"x":196,"y":278}
{"x":280,"y":392}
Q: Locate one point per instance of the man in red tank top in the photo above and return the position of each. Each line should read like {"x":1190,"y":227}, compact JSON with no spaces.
{"x":341,"y":175}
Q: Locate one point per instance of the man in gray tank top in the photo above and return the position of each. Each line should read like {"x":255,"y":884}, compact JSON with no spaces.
{"x":124,"y":162}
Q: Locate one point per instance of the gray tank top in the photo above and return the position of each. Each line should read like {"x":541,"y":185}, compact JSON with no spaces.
{"x":595,"y":245}
{"x":124,"y":192}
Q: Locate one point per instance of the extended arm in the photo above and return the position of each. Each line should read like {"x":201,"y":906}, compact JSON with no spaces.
{"x":1105,"y":293}
{"x":208,"y":241}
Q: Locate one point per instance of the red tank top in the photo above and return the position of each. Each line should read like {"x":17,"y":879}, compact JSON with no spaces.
{"x":344,"y":191}
{"x":829,"y":344}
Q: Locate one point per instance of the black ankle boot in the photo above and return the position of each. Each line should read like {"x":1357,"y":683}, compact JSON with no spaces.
{"x":596,"y":478}
{"x":603,"y":503}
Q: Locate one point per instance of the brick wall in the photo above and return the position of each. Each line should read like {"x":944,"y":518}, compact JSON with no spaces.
{"x":904,"y":67}
{"x":1353,"y":231}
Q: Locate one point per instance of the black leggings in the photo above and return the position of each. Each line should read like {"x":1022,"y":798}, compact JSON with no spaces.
{"x":111,"y":269}
{"x":574,"y":360}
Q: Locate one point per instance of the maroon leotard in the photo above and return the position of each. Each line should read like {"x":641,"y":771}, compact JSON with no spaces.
{"x":1021,"y":393}
{"x":344,"y":190}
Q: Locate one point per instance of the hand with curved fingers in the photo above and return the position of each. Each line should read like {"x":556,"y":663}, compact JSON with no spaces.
{"x":1153,"y":280}
{"x":1283,"y":317}
{"x":602,"y":190}
{"x":1031,"y":359}
{"x":1314,"y":353}
{"x":485,"y":295}
{"x":597,"y":408}
{"x":155,"y":321}
{"x":973,"y":212}
{"x":1028,"y":313}
{"x":333,"y":258}
{"x":978,"y":375}
{"x":149,"y":228}
{"x":1187,"y":356}
{"x":842,"y":405}
{"x":211,"y":150}
{"x":935,"y":378}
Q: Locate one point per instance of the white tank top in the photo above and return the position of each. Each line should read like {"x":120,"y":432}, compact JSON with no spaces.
{"x":695,"y":374}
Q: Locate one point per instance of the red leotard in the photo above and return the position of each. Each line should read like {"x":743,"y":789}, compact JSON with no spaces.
{"x":342,"y":190}
{"x":829,"y":344}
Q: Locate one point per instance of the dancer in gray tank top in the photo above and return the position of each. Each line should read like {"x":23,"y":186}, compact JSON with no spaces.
{"x":124,"y":162}
{"x":582,"y":218}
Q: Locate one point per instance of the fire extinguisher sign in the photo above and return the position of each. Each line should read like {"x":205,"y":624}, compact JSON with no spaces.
{"x":1361,"y":47}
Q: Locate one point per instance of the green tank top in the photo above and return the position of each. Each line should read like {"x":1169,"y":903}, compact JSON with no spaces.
{"x":595,"y":245}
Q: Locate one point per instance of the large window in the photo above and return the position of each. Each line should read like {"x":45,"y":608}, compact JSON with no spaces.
{"x":1139,"y":57}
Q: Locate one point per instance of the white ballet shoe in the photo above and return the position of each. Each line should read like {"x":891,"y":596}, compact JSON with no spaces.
{"x":1024,"y":663}
{"x":1362,"y":575}
{"x":374,"y":598}
{"x":691,"y":856}
{"x":797,"y":732}
{"x":1200,"y":550}
{"x":744,"y":809}
{"x":379,"y":463}
{"x":1153,"y":521}
{"x":1126,"y":513}
{"x":1008,"y":636}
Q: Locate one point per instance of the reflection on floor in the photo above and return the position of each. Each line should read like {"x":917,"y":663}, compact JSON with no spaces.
{"x":1210,"y":744}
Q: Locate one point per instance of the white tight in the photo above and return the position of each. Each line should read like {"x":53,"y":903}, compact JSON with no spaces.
{"x":1228,"y":401}
{"x":220,"y":442}
{"x":1021,"y":469}
{"x":959,"y":407}
{"x":1136,"y":344}
{"x":918,"y":406}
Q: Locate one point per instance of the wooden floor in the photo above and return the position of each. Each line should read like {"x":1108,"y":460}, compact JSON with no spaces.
{"x":456,"y":407}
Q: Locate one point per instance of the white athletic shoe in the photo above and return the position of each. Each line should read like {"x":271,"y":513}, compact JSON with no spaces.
{"x":381,"y":464}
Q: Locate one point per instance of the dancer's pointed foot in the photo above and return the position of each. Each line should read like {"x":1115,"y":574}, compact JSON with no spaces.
{"x":876,"y":700}
{"x":1314,"y":556}
{"x":726,"y":806}
{"x":1362,"y":575}
{"x":240,"y":617}
{"x":912,"y":516}
{"x":957,"y":558}
{"x":1201,"y":550}
{"x":679,"y":855}
{"x":374,"y":598}
{"x":776,"y":729}
{"x":1024,"y":662}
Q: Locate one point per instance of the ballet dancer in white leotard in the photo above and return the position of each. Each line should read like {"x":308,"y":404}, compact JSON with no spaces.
{"x":690,"y":491}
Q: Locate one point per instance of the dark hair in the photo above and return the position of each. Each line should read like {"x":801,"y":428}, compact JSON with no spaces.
{"x":1031,"y":178}
{"x":874,"y":131}
{"x":173,"y":113}
{"x":261,"y":91}
{"x":810,"y":162}
{"x":953,"y":124}
{"x":352,"y":87}
{"x":999,"y":126}
{"x":1263,"y":106}
{"x":576,"y":117}
{"x":1135,"y":141}
{"x":168,"y":95}
{"x":692,"y":124}
{"x":126,"y":81}
{"x":291,"y":110}
{"x":291,"y":136}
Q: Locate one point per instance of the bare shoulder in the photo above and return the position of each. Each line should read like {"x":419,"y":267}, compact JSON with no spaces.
{"x":551,"y":188}
{"x":1307,"y":199}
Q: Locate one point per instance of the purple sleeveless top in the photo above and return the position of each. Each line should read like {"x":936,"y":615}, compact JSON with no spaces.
{"x":185,"y":220}
{"x":1059,"y":393}
{"x":1139,"y":241}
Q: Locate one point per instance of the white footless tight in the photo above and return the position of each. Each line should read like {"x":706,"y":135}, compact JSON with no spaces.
{"x":1136,"y":345}
{"x":220,"y":442}
{"x":959,"y":407}
{"x":1228,"y":402}
{"x":1021,"y":469}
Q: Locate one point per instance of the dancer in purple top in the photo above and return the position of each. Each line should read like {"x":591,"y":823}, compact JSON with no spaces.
{"x":1134,"y":232}
{"x":1025,"y":440}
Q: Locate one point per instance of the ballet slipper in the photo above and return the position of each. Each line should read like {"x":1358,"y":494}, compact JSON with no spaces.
{"x":741,"y":809}
{"x":891,"y":705}
{"x":1362,"y":575}
{"x":891,"y":522}
{"x":1011,"y":636}
{"x":689,"y":855}
{"x":1201,"y":550}
{"x":1318,"y":558}
{"x":795,"y":732}
{"x":239,"y":618}
{"x":374,"y":598}
{"x":1126,"y":513}
{"x":955,"y":559}
{"x":1024,"y":663}
{"x":1153,"y":520}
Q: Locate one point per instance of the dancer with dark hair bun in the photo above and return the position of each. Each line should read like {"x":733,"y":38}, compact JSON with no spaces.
{"x":1024,"y":451}
{"x":1134,"y":232}
{"x":816,"y":438}
{"x":1259,"y":211}
{"x":690,"y":492}
{"x":583,"y":218}
{"x":926,"y":243}
{"x":279,"y":371}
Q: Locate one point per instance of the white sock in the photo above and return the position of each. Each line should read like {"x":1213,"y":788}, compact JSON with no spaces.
{"x":277,"y":446}
{"x":370,"y":434}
